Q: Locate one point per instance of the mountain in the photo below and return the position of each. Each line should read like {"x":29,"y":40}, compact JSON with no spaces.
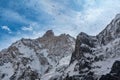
{"x":97,"y":57}
{"x":36,"y":59}
{"x":62,"y":57}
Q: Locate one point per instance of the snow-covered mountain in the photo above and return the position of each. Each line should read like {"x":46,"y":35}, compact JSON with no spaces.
{"x":53,"y":57}
{"x":36,"y":59}
{"x":97,"y":57}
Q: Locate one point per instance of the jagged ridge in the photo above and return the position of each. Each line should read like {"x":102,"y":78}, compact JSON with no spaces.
{"x":50,"y":57}
{"x":95,"y":55}
{"x":30,"y":59}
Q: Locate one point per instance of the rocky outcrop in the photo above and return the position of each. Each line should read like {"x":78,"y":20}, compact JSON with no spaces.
{"x":49,"y":33}
{"x":83,"y":44}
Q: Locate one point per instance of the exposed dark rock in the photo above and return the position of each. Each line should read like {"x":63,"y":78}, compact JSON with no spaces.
{"x":29,"y":74}
{"x":3,"y":75}
{"x":83,"y":44}
{"x":116,"y":67}
{"x":114,"y":74}
{"x":109,"y":77}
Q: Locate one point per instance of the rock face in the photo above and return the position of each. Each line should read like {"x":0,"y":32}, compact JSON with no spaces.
{"x":34,"y":59}
{"x":83,"y":44}
{"x":95,"y":57}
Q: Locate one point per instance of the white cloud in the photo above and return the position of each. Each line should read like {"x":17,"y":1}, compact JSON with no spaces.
{"x":6,"y":28}
{"x":33,"y":26}
{"x":29,"y":28}
{"x":92,"y":19}
{"x":94,"y":16}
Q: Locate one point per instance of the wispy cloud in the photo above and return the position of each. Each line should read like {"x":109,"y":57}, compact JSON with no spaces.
{"x":94,"y":17}
{"x":6,"y":28}
{"x":91,"y":18}
{"x":13,"y":16}
{"x":24,"y":28}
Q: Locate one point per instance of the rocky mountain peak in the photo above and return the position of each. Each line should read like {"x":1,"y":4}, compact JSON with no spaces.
{"x":83,"y":44}
{"x":82,"y":34}
{"x":33,"y":58}
{"x":85,"y":39}
{"x":49,"y":33}
{"x":111,"y":32}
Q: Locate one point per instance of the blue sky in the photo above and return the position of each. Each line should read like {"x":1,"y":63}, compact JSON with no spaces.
{"x":32,"y":18}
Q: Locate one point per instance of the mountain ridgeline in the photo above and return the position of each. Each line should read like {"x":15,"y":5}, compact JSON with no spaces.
{"x":62,"y":57}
